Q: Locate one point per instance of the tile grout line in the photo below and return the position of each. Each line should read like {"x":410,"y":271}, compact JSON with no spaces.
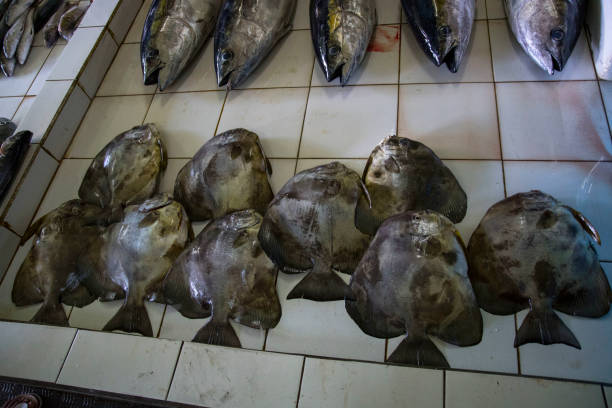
{"x":444,"y":389}
{"x":603,"y":393}
{"x":221,"y":113}
{"x":38,"y":72}
{"x":174,"y":371}
{"x":297,"y":401}
{"x":518,"y":352}
{"x":297,"y":155}
{"x":161,"y":322}
{"x":603,"y":102}
{"x":66,"y":356}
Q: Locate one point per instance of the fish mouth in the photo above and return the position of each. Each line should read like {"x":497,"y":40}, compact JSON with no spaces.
{"x":330,"y":74}
{"x":451,"y":60}
{"x":557,"y":63}
{"x":151,"y":73}
{"x":226,"y":80}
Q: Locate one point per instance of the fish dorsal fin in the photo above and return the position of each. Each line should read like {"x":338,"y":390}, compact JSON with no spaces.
{"x":586,"y":224}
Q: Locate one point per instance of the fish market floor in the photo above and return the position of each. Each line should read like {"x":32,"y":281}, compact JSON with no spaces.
{"x":500,"y":124}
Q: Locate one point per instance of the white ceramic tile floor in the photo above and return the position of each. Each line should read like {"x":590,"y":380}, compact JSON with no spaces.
{"x":122,"y":20}
{"x":121,"y":364}
{"x":495,"y":9}
{"x":125,"y":74}
{"x":23,"y":109}
{"x":135,"y":32}
{"x":8,"y":242}
{"x":79,"y":49}
{"x":222,"y":377}
{"x":606,"y":93}
{"x":24,"y":75}
{"x":46,"y":69}
{"x":32,"y":351}
{"x":471,"y":390}
{"x":9,"y":105}
{"x":97,"y":65}
{"x":328,"y":383}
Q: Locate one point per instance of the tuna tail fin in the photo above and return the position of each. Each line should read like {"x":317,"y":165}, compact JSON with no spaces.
{"x":321,"y":287}
{"x":218,"y":333}
{"x":418,"y":351}
{"x":51,"y":313}
{"x":131,"y":318}
{"x":544,"y":327}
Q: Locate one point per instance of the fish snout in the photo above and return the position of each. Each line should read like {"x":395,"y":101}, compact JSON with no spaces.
{"x":151,"y":65}
{"x":224,"y":67}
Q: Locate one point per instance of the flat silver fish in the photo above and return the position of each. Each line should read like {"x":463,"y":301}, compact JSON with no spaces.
{"x":12,"y":37}
{"x":403,"y":174}
{"x":547,"y":29}
{"x":7,"y":65}
{"x":50,"y":32}
{"x":127,"y":170}
{"x":532,"y":251}
{"x":224,"y":273}
{"x":133,"y":256}
{"x":45,"y":9}
{"x":12,"y":152}
{"x":442,"y":28}
{"x":413,"y":281}
{"x":17,"y":9}
{"x":341,"y":32}
{"x":49,"y":274}
{"x":310,"y":227}
{"x":70,"y":20}
{"x":173,"y":33}
{"x":246,"y":32}
{"x":229,"y":173}
{"x":25,"y":44}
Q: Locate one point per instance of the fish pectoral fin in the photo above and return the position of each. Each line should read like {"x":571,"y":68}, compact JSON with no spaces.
{"x":218,"y":333}
{"x":79,"y":297}
{"x":419,"y":351}
{"x":544,"y":327}
{"x":51,"y":312}
{"x":131,"y":318}
{"x":586,"y":224}
{"x":321,"y":287}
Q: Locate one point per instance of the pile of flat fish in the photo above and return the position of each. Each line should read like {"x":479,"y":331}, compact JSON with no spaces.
{"x":49,"y":273}
{"x":132,"y":258}
{"x":531,"y":251}
{"x":174,"y":32}
{"x":547,"y":30}
{"x":310,"y":227}
{"x":341,"y":32}
{"x":229,"y":173}
{"x":442,"y":28}
{"x":246,"y":32}
{"x":127,"y":170}
{"x":21,"y":19}
{"x":403,"y":174}
{"x":224,"y":273}
{"x":13,"y":148}
{"x":413,"y":281}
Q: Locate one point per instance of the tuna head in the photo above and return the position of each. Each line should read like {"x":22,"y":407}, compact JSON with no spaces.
{"x":234,"y":58}
{"x":442,"y":27}
{"x":547,"y":30}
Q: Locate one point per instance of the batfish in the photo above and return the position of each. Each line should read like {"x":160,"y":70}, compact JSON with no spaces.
{"x":49,"y":274}
{"x":442,"y":28}
{"x":341,"y":32}
{"x":310,"y":226}
{"x":246,"y":32}
{"x":403,"y":174}
{"x":12,"y":152}
{"x":224,"y":273}
{"x":229,"y":173}
{"x":133,"y":256}
{"x":532,"y":251}
{"x":413,"y":281}
{"x":547,"y":29}
{"x":173,"y":33}
{"x":127,"y":170}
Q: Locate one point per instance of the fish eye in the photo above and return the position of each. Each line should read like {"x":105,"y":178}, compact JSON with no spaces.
{"x":334,"y":50}
{"x":227,"y":55}
{"x":557,"y":34}
{"x":444,"y":30}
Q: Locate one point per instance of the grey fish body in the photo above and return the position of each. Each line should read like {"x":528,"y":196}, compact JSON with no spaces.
{"x":12,"y":152}
{"x":50,"y":29}
{"x":531,"y":251}
{"x":16,"y":10}
{"x":25,"y":43}
{"x":69,"y":21}
{"x":310,"y":227}
{"x":229,"y":173}
{"x":246,"y":32}
{"x":402,"y":175}
{"x":4,"y":4}
{"x":442,"y":28}
{"x":49,"y":273}
{"x":127,"y":170}
{"x":13,"y":37}
{"x":225,"y":273}
{"x":7,"y":128}
{"x":45,"y":9}
{"x":341,"y":32}
{"x":132,"y":258}
{"x":413,"y":281}
{"x":547,"y":30}
{"x":173,"y":33}
{"x":7,"y":65}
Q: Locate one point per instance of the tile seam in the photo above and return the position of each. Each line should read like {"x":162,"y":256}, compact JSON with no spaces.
{"x":76,"y":331}
{"x":297,"y":401}
{"x":178,"y":356}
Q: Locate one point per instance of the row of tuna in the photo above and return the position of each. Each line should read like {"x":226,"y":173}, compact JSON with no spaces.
{"x":392,"y":229}
{"x":20,"y":20}
{"x":246,"y":31}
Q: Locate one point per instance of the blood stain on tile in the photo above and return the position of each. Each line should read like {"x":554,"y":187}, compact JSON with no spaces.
{"x":384,"y":39}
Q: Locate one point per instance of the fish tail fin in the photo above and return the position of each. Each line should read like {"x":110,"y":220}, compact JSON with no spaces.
{"x":544,"y":327}
{"x":220,"y":334}
{"x":51,"y":313}
{"x":419,"y":351}
{"x":321,"y":287}
{"x":131,"y":318}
